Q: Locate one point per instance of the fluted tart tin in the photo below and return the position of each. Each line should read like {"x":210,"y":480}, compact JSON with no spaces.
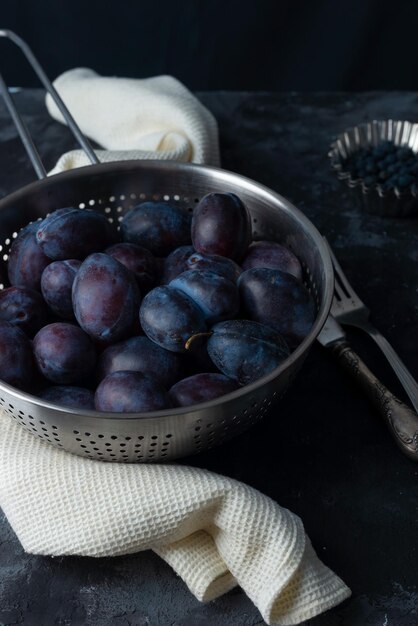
{"x":390,"y":197}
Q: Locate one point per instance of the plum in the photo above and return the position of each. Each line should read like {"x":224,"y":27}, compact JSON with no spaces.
{"x":140,"y":354}
{"x":245,"y":350}
{"x":64,"y":353}
{"x":16,"y":358}
{"x":138,"y":260}
{"x":72,"y":233}
{"x":170,"y":317}
{"x":214,"y":263}
{"x":176,"y":263}
{"x":72,"y":397}
{"x":274,"y":256}
{"x":216,"y":295}
{"x":130,"y":392}
{"x":56,"y":285}
{"x":201,"y":388}
{"x":278,"y":300}
{"x":26,"y":259}
{"x":157,"y":226}
{"x":221,"y":225}
{"x":105,"y":298}
{"x":24,"y":308}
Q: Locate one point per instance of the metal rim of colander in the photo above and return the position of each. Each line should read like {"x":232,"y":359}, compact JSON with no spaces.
{"x":246,"y":182}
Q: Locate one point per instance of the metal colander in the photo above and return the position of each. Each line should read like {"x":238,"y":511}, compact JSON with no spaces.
{"x":114,"y":188}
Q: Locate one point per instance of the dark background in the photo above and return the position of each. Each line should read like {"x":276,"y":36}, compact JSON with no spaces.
{"x":223,"y":44}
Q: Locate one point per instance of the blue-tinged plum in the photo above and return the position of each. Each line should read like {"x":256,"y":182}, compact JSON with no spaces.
{"x":72,"y":233}
{"x":157,"y":226}
{"x":140,"y":354}
{"x":24,"y":308}
{"x":138,"y":260}
{"x":274,"y":256}
{"x":170,"y":317}
{"x":245,"y":350}
{"x":72,"y":397}
{"x":216,"y":295}
{"x":214,"y":263}
{"x":26,"y":259}
{"x":201,"y":388}
{"x":56,"y":286}
{"x":64,"y":353}
{"x":16,"y":358}
{"x":278,"y":300}
{"x":176,"y":263}
{"x":130,"y":392}
{"x":105,"y":298}
{"x":221,"y":225}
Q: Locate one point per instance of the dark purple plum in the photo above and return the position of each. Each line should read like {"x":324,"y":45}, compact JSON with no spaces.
{"x":140,"y":354}
{"x":16,"y":358}
{"x":105,"y":298}
{"x":64,"y":353}
{"x":24,"y":308}
{"x":221,"y":225}
{"x":138,"y":260}
{"x":216,"y":295}
{"x":157,"y":226}
{"x":72,"y":233}
{"x":201,"y":388}
{"x":176,"y":263}
{"x":26,"y":259}
{"x":72,"y":397}
{"x":278,"y":300}
{"x":130,"y":392}
{"x":56,"y":285}
{"x":214,"y":263}
{"x":169,"y":317}
{"x":245,"y":350}
{"x":274,"y":256}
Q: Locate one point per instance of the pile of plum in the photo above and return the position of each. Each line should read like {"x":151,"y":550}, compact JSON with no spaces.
{"x":157,"y":315}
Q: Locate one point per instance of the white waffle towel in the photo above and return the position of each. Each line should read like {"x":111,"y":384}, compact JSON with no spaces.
{"x":151,"y":118}
{"x":214,"y":531}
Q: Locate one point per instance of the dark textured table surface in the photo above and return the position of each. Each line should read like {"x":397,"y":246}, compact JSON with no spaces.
{"x":322,"y":452}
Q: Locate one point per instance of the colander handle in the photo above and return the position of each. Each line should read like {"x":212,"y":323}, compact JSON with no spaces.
{"x":21,"y":126}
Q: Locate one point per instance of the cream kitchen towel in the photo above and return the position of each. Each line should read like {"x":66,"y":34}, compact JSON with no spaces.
{"x":214,"y":531}
{"x":151,"y":118}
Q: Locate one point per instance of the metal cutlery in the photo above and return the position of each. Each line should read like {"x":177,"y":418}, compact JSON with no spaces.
{"x":402,"y":421}
{"x":347,"y":308}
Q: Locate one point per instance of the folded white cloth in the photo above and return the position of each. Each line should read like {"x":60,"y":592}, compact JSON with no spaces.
{"x":214,"y":531}
{"x":151,"y":118}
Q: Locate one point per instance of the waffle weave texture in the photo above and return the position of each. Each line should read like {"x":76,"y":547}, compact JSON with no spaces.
{"x":215,"y":532}
{"x":150,"y":118}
